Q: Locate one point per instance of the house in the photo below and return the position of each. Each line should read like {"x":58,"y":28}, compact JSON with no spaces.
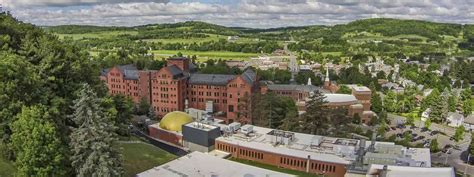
{"x":469,"y":122}
{"x":426,"y":114}
{"x":455,"y":119}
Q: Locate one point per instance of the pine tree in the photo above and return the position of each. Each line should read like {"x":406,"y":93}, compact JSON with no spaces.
{"x":430,"y":100}
{"x":315,"y":119}
{"x":92,"y":142}
{"x":37,"y":145}
{"x":376,"y":101}
{"x":434,"y":145}
{"x":467,"y":107}
{"x":439,"y":109}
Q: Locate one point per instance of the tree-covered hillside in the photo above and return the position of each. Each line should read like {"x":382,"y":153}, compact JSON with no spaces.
{"x":40,"y":77}
{"x":373,"y":36}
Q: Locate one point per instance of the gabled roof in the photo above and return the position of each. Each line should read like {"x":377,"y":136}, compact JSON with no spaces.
{"x":249,"y":76}
{"x":455,"y":116}
{"x":211,"y":79}
{"x":130,"y":72}
{"x":174,"y":70}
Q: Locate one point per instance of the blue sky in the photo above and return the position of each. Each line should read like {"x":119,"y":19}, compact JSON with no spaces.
{"x":244,"y":13}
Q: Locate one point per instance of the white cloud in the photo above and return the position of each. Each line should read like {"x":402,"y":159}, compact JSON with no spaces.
{"x":33,"y":3}
{"x":248,"y":13}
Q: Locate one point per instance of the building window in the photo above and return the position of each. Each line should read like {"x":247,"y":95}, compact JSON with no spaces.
{"x":231,"y":108}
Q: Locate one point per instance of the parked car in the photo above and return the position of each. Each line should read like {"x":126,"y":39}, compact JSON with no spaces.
{"x":413,"y":127}
{"x":451,"y":138}
{"x":434,"y":132}
{"x":414,"y":134}
{"x":424,"y":129}
{"x":399,"y":135}
{"x":393,"y":128}
{"x":401,"y":126}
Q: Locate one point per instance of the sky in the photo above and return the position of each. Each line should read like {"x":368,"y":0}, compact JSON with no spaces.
{"x":237,"y":13}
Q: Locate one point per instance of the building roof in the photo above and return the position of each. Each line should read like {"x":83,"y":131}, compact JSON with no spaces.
{"x":302,"y":146}
{"x":358,"y":88}
{"x":174,"y":121}
{"x":338,"y":98}
{"x":208,"y":165}
{"x":210,"y":79}
{"x":403,"y":171}
{"x":304,"y":88}
{"x":130,"y":72}
{"x":249,"y":76}
{"x":469,"y":119}
{"x":455,"y":116}
{"x":174,"y":70}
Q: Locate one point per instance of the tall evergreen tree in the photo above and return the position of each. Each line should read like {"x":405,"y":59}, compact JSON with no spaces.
{"x":440,"y":108}
{"x":92,"y":142}
{"x":430,"y":100}
{"x":376,"y":101}
{"x":315,"y":119}
{"x":467,"y":107}
{"x":37,"y":145}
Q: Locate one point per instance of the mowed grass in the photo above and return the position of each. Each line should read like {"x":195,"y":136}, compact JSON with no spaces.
{"x":274,"y":168}
{"x":7,"y":168}
{"x":139,"y":157}
{"x":212,"y":37}
{"x":100,"y":35}
{"x":203,"y":56}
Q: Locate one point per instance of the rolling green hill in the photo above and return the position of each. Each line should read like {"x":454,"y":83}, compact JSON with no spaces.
{"x":378,"y":35}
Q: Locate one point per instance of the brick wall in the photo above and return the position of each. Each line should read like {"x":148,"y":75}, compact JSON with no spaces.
{"x":283,"y":161}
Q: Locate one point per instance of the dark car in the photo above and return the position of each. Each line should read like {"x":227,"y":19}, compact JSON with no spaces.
{"x":399,"y":135}
{"x":421,"y":137}
{"x":414,"y":135}
{"x":424,"y":129}
{"x":393,"y":128}
{"x":413,"y":127}
{"x":451,"y":138}
{"x":434,"y":133}
{"x":401,"y":126}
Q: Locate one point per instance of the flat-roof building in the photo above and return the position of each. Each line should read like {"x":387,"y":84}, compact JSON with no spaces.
{"x":201,"y":164}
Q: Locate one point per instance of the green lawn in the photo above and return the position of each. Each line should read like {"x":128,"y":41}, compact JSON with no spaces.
{"x":273,"y":168}
{"x":103,"y":34}
{"x":6,"y":168}
{"x":203,"y":56}
{"x":212,"y":37}
{"x":139,"y":157}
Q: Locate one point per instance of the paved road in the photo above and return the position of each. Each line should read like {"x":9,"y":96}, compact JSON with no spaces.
{"x":456,"y":158}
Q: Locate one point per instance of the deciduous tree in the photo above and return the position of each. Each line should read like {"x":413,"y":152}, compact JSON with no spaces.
{"x":37,"y":144}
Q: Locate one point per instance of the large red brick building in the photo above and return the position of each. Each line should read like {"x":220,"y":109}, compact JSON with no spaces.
{"x":168,"y":88}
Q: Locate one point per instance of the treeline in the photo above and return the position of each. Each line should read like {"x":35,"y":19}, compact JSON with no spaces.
{"x":221,"y":45}
{"x":80,"y":29}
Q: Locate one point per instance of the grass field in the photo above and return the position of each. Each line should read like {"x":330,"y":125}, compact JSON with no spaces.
{"x":212,"y":37}
{"x":139,"y":157}
{"x":6,"y":168}
{"x":274,"y":168}
{"x":203,"y":56}
{"x":104,"y":34}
